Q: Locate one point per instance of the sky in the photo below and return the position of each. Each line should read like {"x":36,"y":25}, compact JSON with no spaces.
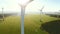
{"x":33,"y":7}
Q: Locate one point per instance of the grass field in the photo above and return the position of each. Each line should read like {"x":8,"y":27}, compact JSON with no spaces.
{"x":11,"y":24}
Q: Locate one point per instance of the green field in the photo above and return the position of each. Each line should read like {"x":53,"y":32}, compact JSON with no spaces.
{"x":11,"y":24}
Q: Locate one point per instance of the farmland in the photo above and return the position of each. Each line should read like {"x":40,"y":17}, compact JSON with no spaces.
{"x":11,"y":24}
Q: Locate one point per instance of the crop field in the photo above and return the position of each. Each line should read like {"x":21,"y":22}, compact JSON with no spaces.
{"x":11,"y":24}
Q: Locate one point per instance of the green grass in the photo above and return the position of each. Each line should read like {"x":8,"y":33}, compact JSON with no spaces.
{"x":11,"y":24}
{"x":32,"y":23}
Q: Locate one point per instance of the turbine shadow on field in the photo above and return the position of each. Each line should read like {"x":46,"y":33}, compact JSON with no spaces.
{"x":52,"y":27}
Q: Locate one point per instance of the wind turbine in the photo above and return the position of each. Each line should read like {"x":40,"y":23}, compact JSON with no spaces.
{"x":3,"y":14}
{"x":58,"y":13}
{"x":41,"y":13}
{"x":23,"y":4}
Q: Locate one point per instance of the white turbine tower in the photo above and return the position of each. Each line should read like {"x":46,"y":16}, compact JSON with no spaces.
{"x":23,"y":4}
{"x":3,"y":14}
{"x":58,"y":15}
{"x":41,"y":13}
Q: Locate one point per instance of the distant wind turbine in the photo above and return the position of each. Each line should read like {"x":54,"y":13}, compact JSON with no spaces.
{"x":58,"y":13}
{"x":3,"y":13}
{"x":41,"y":9}
{"x":41,"y":13}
